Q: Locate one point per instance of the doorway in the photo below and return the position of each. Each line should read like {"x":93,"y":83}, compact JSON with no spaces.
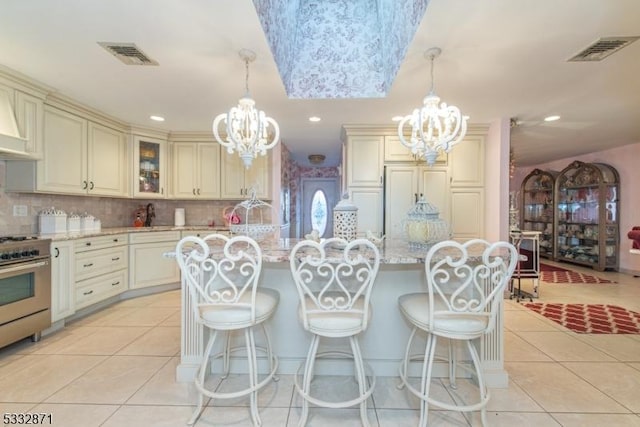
{"x":319,"y":196}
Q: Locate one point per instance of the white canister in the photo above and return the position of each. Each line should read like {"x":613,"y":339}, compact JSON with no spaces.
{"x":178,"y":217}
{"x":53,"y":221}
{"x":86,"y":222}
{"x":73,"y":223}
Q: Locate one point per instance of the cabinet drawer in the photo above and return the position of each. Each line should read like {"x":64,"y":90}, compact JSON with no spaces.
{"x":203,"y":233}
{"x":100,"y":242}
{"x":100,"y":288}
{"x":154,"y":237}
{"x":92,"y":263}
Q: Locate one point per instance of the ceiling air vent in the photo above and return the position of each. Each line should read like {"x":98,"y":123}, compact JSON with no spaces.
{"x":602,"y":48}
{"x":128,"y":53}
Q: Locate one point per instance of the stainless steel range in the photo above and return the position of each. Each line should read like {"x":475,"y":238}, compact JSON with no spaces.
{"x":25,"y":288}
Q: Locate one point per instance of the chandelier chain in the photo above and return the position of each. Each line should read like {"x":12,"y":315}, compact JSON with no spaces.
{"x":246,"y":79}
{"x":433,"y":81}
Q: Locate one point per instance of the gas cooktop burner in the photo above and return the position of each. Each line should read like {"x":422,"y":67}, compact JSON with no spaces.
{"x":16,"y":238}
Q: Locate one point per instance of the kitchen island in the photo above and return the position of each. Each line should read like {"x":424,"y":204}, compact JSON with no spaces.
{"x":383,"y":343}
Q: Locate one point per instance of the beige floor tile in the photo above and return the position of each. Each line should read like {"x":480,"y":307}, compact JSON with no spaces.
{"x":519,"y":320}
{"x":274,"y":394}
{"x":163,"y":389}
{"x":520,"y":419}
{"x":597,"y":420}
{"x":144,"y":316}
{"x":556,"y":389}
{"x":410,"y":417}
{"x":76,"y":415}
{"x":112,"y":382}
{"x":325,"y":417}
{"x":387,"y":395}
{"x":617,"y":380}
{"x":101,"y":340}
{"x":43,"y":375}
{"x":174,"y":320}
{"x":562,"y":346}
{"x":518,"y":350}
{"x":15,"y":408}
{"x":159,"y":341}
{"x":103,"y":317}
{"x":240,"y":416}
{"x":620,"y":346}
{"x":151,"y":416}
{"x":512,"y":398}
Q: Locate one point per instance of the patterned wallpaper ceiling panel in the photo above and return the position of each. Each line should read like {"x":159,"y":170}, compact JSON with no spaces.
{"x":339,"y":48}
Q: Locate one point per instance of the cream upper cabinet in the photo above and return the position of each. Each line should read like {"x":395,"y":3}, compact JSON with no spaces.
{"x":394,"y":151}
{"x":81,"y":157}
{"x":64,"y":165}
{"x":404,"y":185}
{"x":236,"y":181}
{"x":467,"y":162}
{"x":29,"y":115}
{"x":107,"y":161}
{"x":196,"y":170}
{"x":365,"y":160}
{"x":150,"y":167}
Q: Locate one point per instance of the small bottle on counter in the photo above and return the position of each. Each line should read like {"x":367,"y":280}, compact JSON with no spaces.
{"x":138,"y":222}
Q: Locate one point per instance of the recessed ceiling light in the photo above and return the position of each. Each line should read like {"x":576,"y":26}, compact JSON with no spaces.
{"x":397,"y":118}
{"x":551,"y":118}
{"x":157,"y":118}
{"x":314,"y":119}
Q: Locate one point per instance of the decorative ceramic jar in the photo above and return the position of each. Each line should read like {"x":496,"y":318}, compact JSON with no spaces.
{"x":345,"y":219}
{"x":52,"y":220}
{"x":424,"y":227}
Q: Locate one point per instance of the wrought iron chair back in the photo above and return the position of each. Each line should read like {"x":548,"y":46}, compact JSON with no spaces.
{"x":220,"y":270}
{"x":334,"y":276}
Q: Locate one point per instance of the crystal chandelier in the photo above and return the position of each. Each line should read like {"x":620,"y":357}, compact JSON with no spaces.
{"x":434,"y":127}
{"x":247,"y":129}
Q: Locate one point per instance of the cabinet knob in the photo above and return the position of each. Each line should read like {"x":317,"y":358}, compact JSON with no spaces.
{"x":91,"y":185}
{"x":57,"y":253}
{"x":194,"y":191}
{"x":84,"y":185}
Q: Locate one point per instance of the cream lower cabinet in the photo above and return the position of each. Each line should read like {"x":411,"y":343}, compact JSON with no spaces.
{"x":404,"y":185}
{"x":62,"y":280}
{"x":147,"y":265}
{"x":100,"y":268}
{"x":196,"y":170}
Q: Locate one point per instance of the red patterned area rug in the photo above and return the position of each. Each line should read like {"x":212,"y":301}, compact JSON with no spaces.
{"x":554,"y":274}
{"x":590,"y":318}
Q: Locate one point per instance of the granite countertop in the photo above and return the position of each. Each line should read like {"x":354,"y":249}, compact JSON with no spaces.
{"x":120,"y":230}
{"x":392,"y":251}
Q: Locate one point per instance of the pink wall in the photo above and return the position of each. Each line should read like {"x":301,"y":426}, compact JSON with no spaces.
{"x":625,"y":159}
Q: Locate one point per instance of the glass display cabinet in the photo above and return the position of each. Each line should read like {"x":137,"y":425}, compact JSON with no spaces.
{"x":149,"y":161}
{"x":587,"y":215}
{"x":537,"y":193}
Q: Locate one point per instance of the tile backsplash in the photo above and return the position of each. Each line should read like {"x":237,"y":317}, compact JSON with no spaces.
{"x":110,"y":211}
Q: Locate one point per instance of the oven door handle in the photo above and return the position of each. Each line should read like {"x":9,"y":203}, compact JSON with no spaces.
{"x":22,"y":267}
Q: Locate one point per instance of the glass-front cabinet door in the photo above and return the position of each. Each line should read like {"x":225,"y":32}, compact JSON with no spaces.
{"x":587,"y":215}
{"x":537,"y":207}
{"x":150,"y":157}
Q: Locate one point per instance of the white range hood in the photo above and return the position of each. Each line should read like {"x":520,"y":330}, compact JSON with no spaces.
{"x":12,"y":146}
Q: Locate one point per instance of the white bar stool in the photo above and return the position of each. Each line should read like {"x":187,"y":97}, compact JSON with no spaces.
{"x":334,"y":281}
{"x":465,"y":284}
{"x":222,"y":276}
